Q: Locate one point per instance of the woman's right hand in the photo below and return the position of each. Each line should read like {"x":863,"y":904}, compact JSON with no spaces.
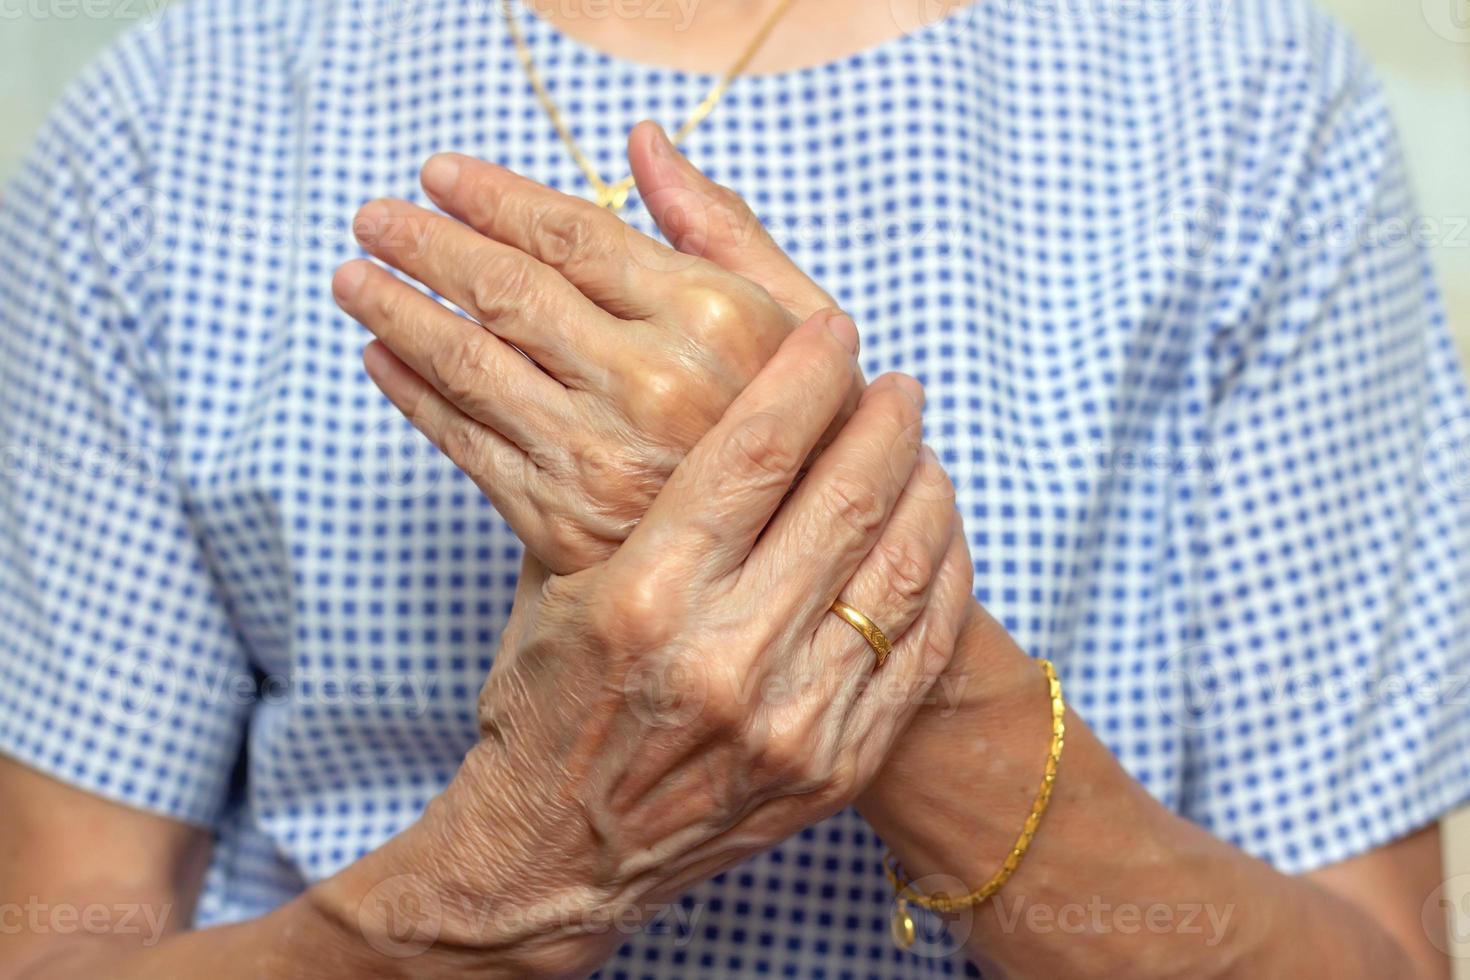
{"x":692,"y":701}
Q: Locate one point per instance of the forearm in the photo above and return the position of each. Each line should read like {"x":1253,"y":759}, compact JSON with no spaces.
{"x":293,"y":941}
{"x":298,"y":940}
{"x":1114,"y":883}
{"x":401,"y":911}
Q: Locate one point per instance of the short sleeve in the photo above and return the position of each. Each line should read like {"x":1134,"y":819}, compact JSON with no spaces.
{"x":1331,"y":553}
{"x":117,"y":656}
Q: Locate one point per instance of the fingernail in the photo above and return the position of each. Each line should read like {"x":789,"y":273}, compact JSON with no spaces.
{"x":375,"y":360}
{"x":841,"y":326}
{"x":440,"y":174}
{"x":348,"y":279}
{"x":664,"y":146}
{"x":910,"y":386}
{"x":370,"y":221}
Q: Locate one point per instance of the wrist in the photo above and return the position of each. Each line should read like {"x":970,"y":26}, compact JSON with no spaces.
{"x":988,"y":727}
{"x":990,"y":682}
{"x":450,"y":897}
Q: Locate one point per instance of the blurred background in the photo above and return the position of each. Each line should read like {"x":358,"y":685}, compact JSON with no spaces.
{"x":1421,"y":47}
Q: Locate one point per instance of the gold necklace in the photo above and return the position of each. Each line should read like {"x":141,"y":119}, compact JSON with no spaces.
{"x":614,"y":196}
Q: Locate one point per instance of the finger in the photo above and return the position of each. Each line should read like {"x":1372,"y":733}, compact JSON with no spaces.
{"x":699,"y":217}
{"x":888,"y":703}
{"x":483,"y":376}
{"x":891,"y":586}
{"x":837,"y":513}
{"x":516,"y":298}
{"x":728,"y":486}
{"x":612,"y":264}
{"x":506,"y":474}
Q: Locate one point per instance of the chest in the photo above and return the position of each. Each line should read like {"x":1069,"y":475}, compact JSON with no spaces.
{"x":983,"y":236}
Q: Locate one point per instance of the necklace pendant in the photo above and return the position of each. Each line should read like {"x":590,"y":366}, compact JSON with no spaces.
{"x":902,"y":927}
{"x":612,"y":197}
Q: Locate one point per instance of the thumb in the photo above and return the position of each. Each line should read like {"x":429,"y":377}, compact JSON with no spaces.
{"x":699,"y":217}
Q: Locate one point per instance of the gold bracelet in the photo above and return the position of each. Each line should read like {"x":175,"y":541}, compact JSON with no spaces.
{"x":906,"y":893}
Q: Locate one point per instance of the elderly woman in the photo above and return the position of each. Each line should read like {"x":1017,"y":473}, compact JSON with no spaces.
{"x":749,"y":641}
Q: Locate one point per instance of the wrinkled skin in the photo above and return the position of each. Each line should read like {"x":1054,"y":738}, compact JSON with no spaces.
{"x":671,"y":694}
{"x":637,"y":348}
{"x":663,"y":715}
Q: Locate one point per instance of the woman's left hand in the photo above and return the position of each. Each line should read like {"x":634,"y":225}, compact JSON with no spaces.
{"x":632,"y":349}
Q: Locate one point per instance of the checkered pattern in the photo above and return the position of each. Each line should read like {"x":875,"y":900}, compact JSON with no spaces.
{"x":1197,"y":393}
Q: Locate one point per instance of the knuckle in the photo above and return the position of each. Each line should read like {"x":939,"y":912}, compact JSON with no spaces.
{"x":854,"y":504}
{"x":842,"y":783}
{"x":661,"y":394}
{"x":634,"y":617}
{"x":559,"y":237}
{"x":786,"y":759}
{"x":741,"y":322}
{"x":462,"y":369}
{"x":729,"y":199}
{"x":934,"y":652}
{"x":723,"y":711}
{"x":904,"y":567}
{"x":618,"y":482}
{"x":933,"y":477}
{"x":461,"y":443}
{"x":387,"y":299}
{"x":500,"y":284}
{"x":757,"y":453}
{"x":718,"y":311}
{"x":549,"y":458}
{"x":574,"y":543}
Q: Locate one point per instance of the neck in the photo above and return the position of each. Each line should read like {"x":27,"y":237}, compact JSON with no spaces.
{"x":706,"y":36}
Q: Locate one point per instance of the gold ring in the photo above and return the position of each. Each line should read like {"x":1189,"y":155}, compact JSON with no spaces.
{"x":867,"y":628}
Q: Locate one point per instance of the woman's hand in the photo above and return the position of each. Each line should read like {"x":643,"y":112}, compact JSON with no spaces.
{"x":659,"y":717}
{"x":632,"y":349}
